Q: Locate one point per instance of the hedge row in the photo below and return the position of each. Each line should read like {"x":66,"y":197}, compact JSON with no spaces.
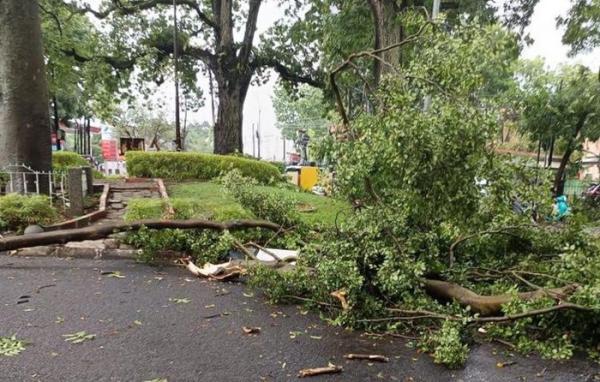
{"x":62,"y":160}
{"x":196,"y":166}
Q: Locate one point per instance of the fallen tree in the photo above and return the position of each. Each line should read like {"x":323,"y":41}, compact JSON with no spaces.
{"x":103,"y":231}
{"x":489,"y":305}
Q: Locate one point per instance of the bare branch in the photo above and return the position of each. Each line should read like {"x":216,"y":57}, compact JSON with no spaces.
{"x":368,"y":53}
{"x":285,"y":72}
{"x":134,"y":6}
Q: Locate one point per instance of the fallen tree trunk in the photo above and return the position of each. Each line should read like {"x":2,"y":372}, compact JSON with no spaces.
{"x":103,"y":231}
{"x":488,"y":305}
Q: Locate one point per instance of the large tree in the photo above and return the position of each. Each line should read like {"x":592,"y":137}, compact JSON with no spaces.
{"x":207,"y":41}
{"x":562,"y":106}
{"x":24,"y":118}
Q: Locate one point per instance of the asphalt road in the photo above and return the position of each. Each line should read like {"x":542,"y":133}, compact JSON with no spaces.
{"x":145,"y":330}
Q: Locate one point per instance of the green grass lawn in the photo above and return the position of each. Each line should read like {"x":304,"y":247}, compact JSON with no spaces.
{"x":209,"y":200}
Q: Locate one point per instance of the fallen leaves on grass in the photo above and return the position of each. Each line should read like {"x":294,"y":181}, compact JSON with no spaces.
{"x":11,"y":346}
{"x":79,"y":337}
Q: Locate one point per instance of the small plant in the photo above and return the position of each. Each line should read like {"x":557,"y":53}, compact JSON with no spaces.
{"x":447,"y":346}
{"x":11,"y":346}
{"x":19,"y":211}
{"x":79,"y":337}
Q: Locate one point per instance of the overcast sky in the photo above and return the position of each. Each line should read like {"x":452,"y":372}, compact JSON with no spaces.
{"x":547,"y":44}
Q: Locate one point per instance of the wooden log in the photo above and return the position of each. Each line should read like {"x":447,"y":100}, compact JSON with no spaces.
{"x":103,"y":231}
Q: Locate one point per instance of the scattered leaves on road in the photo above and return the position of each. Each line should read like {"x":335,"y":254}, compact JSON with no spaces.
{"x":138,"y":322}
{"x":180,"y":300}
{"x":505,"y":364}
{"x":115,"y":274}
{"x":369,"y":357}
{"x":79,"y":337}
{"x":251,"y":329}
{"x":11,"y":346}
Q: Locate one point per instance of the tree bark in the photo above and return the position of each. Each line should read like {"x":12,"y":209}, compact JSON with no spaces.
{"x":228,"y":133}
{"x":487,"y":305}
{"x":388,"y":31}
{"x":24,"y":115}
{"x":559,"y":178}
{"x":103,"y":231}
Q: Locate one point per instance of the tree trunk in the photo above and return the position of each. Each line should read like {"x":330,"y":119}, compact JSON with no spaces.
{"x":559,"y":178}
{"x":388,"y":31}
{"x":228,"y":129}
{"x":559,"y":181}
{"x":24,"y":116}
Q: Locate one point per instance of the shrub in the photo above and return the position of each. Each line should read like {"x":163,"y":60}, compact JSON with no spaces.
{"x":18,"y":211}
{"x":263,"y":204}
{"x":280,"y":165}
{"x":447,"y":346}
{"x":63,"y":160}
{"x":182,"y":166}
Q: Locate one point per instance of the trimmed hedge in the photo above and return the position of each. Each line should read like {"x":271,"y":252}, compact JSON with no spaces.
{"x":196,"y":166}
{"x":62,"y":160}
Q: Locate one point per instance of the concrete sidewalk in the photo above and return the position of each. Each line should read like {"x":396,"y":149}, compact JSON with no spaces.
{"x":145,"y":329}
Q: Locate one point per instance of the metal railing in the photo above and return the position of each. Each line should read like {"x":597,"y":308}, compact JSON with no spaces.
{"x":22,"y":179}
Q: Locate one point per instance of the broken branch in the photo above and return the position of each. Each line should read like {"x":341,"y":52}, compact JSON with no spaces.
{"x":331,"y":369}
{"x":103,"y":231}
{"x":369,"y":357}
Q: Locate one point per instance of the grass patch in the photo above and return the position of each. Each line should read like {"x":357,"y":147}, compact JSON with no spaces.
{"x":209,"y":200}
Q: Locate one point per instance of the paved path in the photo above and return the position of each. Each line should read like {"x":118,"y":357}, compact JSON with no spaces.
{"x":142,"y":333}
{"x":121,"y":192}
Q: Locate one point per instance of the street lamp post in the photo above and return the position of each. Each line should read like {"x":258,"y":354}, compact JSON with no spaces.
{"x":178,"y":145}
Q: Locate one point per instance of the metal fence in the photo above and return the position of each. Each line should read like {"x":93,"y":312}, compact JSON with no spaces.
{"x":576,"y":188}
{"x":22,"y":179}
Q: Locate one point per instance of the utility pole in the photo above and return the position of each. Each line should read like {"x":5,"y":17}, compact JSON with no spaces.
{"x":253,"y":142}
{"x":178,"y":145}
{"x":258,"y":142}
{"x":283,"y":158}
{"x":212,"y":95}
{"x":258,"y":133}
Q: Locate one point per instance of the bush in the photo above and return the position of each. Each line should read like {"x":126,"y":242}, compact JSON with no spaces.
{"x":263,"y":203}
{"x":18,"y":211}
{"x":196,"y":166}
{"x":280,"y":165}
{"x":63,"y":160}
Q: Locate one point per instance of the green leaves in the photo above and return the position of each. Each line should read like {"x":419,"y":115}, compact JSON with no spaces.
{"x":11,"y":346}
{"x":79,"y":337}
